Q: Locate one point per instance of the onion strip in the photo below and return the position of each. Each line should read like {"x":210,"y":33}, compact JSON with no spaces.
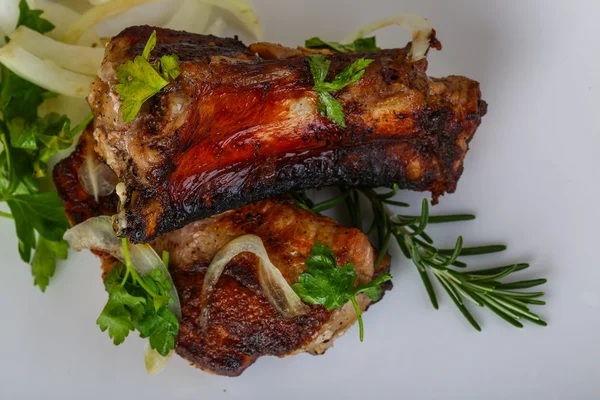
{"x":96,"y":178}
{"x":240,"y":9}
{"x":81,"y":59}
{"x":44,"y":73}
{"x":9,"y":15}
{"x":416,"y":24}
{"x":217,"y":27}
{"x":94,"y":15}
{"x":97,"y":234}
{"x":244,"y":13}
{"x":62,"y":16}
{"x":193,"y":16}
{"x":279,"y":293}
{"x":154,"y":361}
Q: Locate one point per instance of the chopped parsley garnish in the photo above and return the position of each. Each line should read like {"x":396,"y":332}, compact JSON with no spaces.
{"x":139,"y":303}
{"x":27,"y":141}
{"x":328,"y":106}
{"x":33,"y":19}
{"x":361,"y":45}
{"x":139,"y":80}
{"x":332,"y":287}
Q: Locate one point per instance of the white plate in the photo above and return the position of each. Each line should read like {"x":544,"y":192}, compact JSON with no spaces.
{"x":532,"y":176}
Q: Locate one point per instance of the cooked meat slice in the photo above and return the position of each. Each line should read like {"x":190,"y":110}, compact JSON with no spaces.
{"x":234,"y":128}
{"x":242,"y":325}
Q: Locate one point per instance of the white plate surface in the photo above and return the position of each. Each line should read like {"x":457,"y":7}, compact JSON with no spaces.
{"x":532,"y":177}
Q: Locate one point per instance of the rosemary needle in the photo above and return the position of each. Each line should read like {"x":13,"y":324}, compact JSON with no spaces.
{"x":482,"y":288}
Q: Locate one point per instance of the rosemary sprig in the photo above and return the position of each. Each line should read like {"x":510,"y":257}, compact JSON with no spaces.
{"x":483,"y":287}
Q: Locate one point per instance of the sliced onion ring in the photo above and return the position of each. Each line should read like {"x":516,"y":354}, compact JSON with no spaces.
{"x":96,"y":177}
{"x":44,"y":73}
{"x":217,"y":27}
{"x":154,"y":361}
{"x":97,"y":233}
{"x":240,"y":9}
{"x":279,"y":293}
{"x":193,"y":16}
{"x":416,"y":24}
{"x":81,"y":59}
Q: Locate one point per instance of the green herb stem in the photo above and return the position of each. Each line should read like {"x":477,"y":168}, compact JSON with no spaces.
{"x":361,"y":328}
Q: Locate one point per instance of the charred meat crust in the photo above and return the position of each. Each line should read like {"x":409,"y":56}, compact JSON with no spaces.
{"x":243,"y":326}
{"x":233,"y":129}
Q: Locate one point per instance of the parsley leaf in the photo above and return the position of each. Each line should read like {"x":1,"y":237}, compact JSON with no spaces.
{"x":333,"y":287}
{"x":32,"y":19}
{"x":170,"y":67}
{"x":361,"y":45}
{"x":160,"y":327}
{"x":27,"y":143}
{"x":139,"y":80}
{"x":365,"y":45}
{"x":18,"y":97}
{"x":43,"y":264}
{"x":119,"y":313}
{"x":139,"y":303}
{"x":329,"y":106}
{"x":349,"y":75}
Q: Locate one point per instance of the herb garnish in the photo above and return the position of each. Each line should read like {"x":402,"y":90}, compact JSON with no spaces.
{"x":481,"y":287}
{"x":139,"y":303}
{"x":332,"y":287}
{"x":139,"y":80}
{"x":361,"y":45}
{"x":328,"y":106}
{"x":27,"y":143}
{"x":33,"y":19}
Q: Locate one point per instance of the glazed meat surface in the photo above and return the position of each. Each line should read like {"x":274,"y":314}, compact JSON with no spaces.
{"x":235,"y":128}
{"x":242,"y":325}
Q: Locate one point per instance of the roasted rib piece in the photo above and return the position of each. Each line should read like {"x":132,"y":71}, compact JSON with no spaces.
{"x":242,"y":325}
{"x":234,"y":128}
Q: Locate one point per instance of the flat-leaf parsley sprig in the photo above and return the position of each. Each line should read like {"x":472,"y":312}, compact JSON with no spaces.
{"x":27,"y":142}
{"x":360,"y":45}
{"x":328,"y":105}
{"x":139,"y":79}
{"x":326,"y":284}
{"x":481,"y":287}
{"x":139,"y":303}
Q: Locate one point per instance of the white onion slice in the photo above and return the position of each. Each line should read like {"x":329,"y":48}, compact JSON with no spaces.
{"x":97,"y":233}
{"x":154,"y":361}
{"x":94,"y":15}
{"x":416,"y":24}
{"x":9,"y":15}
{"x":279,"y":293}
{"x":243,"y":12}
{"x":62,"y":16}
{"x":44,"y":73}
{"x":217,"y":27}
{"x":96,"y":178}
{"x":240,"y":9}
{"x":193,"y":16}
{"x":81,"y":59}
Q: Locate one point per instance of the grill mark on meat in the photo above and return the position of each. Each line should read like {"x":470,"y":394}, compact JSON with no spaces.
{"x":234,"y":129}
